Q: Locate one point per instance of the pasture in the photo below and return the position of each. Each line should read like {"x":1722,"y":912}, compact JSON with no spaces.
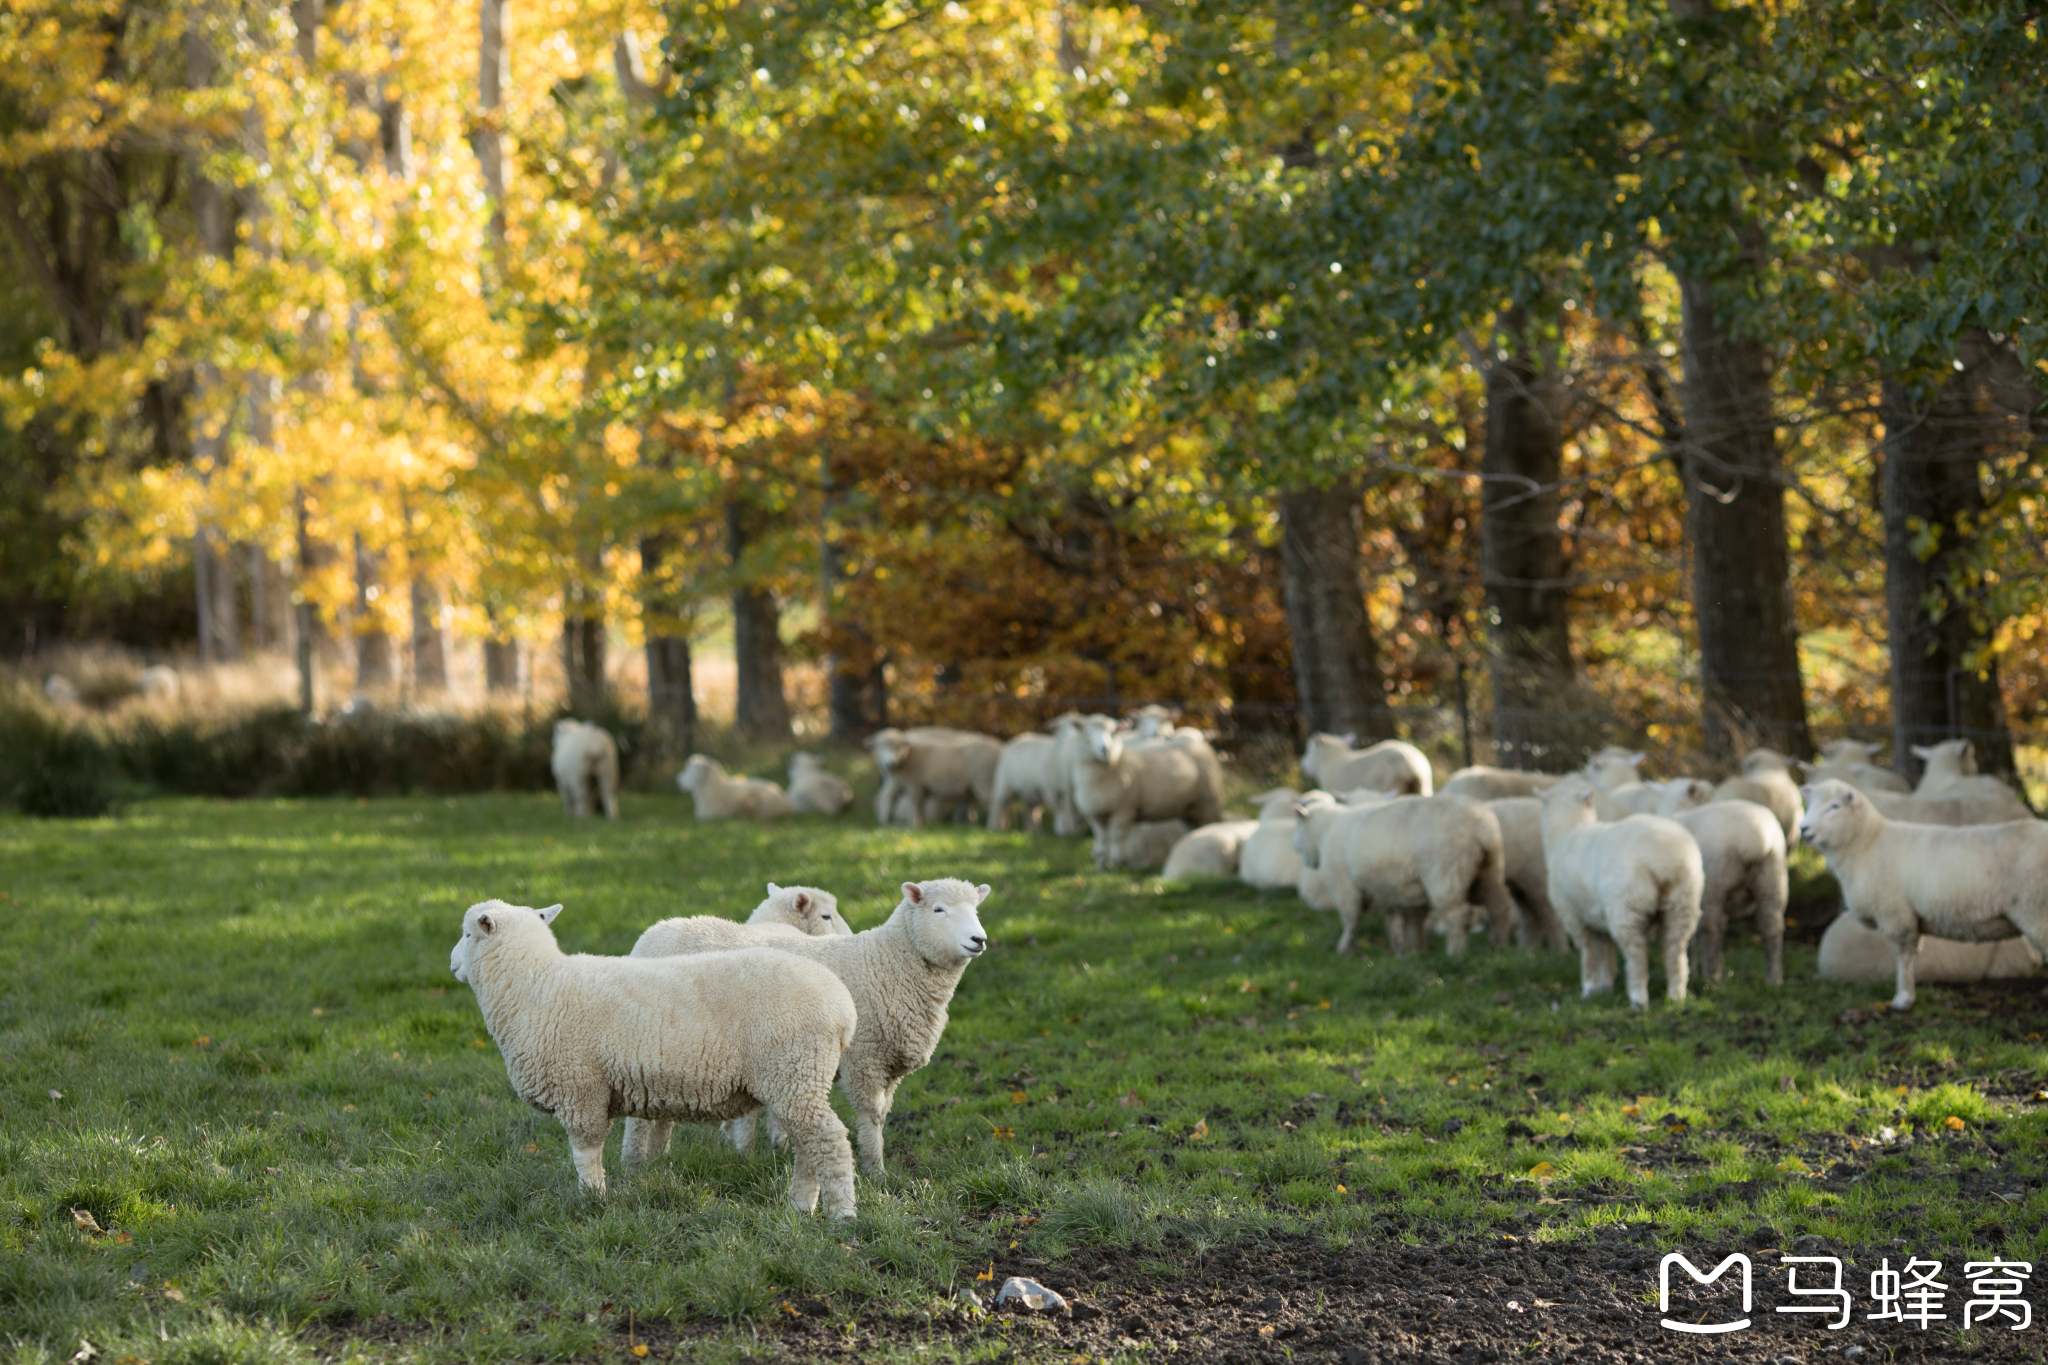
{"x":229,"y":1042}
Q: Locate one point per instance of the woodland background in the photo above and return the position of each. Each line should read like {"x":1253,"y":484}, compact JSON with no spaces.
{"x":1664,"y":368}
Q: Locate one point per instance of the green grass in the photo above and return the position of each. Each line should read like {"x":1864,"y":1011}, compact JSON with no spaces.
{"x":286,"y":1112}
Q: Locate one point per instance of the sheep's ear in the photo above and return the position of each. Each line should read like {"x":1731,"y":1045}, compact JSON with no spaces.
{"x":547,"y":913}
{"x":1969,"y":749}
{"x":1300,"y":810}
{"x":1922,"y":751}
{"x":1636,"y":760}
{"x":1350,"y":737}
{"x":981,"y":893}
{"x":913,"y":893}
{"x":484,"y":925}
{"x":1806,"y":793}
{"x":774,"y":890}
{"x":803,"y":901}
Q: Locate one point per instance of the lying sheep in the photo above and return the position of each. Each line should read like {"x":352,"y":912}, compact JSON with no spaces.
{"x":158,"y":682}
{"x":718,"y":795}
{"x":1852,"y":951}
{"x":1767,"y":781}
{"x":932,"y":764}
{"x":1390,"y":766}
{"x":902,"y":975}
{"x":1481,"y":783}
{"x":1609,"y":881}
{"x":1421,"y":861}
{"x":585,"y":758}
{"x":1118,"y":782}
{"x":813,"y":790}
{"x":1267,"y":858}
{"x":1742,"y":858}
{"x":1973,"y":884}
{"x":1523,"y":868}
{"x":697,"y":1039}
{"x":61,"y":691}
{"x":1211,"y":851}
{"x":1148,"y":843}
{"x":1027,"y":775}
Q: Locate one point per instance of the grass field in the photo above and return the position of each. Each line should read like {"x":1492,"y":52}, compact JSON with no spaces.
{"x":228,"y":1034}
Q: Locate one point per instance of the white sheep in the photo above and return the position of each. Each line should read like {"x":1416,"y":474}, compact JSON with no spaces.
{"x":902,"y":974}
{"x":1267,"y":859}
{"x":1609,"y":881}
{"x":1852,"y":951}
{"x":1152,"y":721}
{"x":1991,"y":806}
{"x":1418,"y":860}
{"x":697,"y":1039}
{"x":1951,"y":775}
{"x":1973,"y":884}
{"x":158,"y":682}
{"x":62,"y":691}
{"x":1767,"y":780}
{"x":585,"y":759}
{"x":1482,"y":783}
{"x":1523,"y":868}
{"x":931,"y":765}
{"x":1068,"y":744}
{"x":718,"y":795}
{"x":813,"y":790}
{"x":1854,"y":761}
{"x":1392,"y":765}
{"x":1117,"y":782}
{"x":1148,"y":843}
{"x":1027,"y":775}
{"x":1211,"y":851}
{"x":1618,"y":786}
{"x":1742,"y":858}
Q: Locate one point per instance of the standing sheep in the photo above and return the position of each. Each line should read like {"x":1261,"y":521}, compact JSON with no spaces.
{"x":1608,"y":881}
{"x":1971,"y":806}
{"x":929,"y":764}
{"x":1267,"y":858}
{"x":1951,"y":775}
{"x":696,"y":1039}
{"x":1855,"y":762}
{"x":1118,"y":783}
{"x":1028,"y":775}
{"x":1482,"y":783}
{"x":1742,"y":859}
{"x":718,"y":795}
{"x":902,"y":975}
{"x":813,"y":790}
{"x":1422,"y":862}
{"x":1068,"y":745}
{"x":1392,"y":765}
{"x":1211,"y":851}
{"x":1152,"y":722}
{"x":1527,"y":875}
{"x":1972,"y":884}
{"x":1767,"y":780}
{"x":585,"y":758}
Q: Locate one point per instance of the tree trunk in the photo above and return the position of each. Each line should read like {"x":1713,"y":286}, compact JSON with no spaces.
{"x":583,"y":645}
{"x":1735,"y":520}
{"x":760,"y":710}
{"x":1933,"y":444}
{"x":375,"y":662}
{"x":856,"y":684}
{"x":501,"y":663}
{"x":671,"y":696}
{"x":1522,"y":558}
{"x":429,"y":641}
{"x":493,"y":74}
{"x":1336,"y":666}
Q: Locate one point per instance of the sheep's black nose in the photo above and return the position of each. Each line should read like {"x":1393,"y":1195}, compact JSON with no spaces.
{"x":979,"y":941}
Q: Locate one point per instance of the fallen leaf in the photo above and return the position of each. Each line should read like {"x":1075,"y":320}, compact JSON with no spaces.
{"x":1322,"y":1004}
{"x":348,"y":1109}
{"x":202,"y":1040}
{"x":1953,"y":1124}
{"x":1542,"y":1170}
{"x":1014,"y":1245}
{"x":1130,"y":1099}
{"x":56,"y":1094}
{"x":87,"y":1223}
{"x":1005,"y":1134}
{"x":1246,"y":989}
{"x":478,"y":1042}
{"x":1787,"y":1084}
{"x":1630,"y":1111}
{"x":1898,"y":1090}
{"x":1018,"y":1096}
{"x":175,"y":1295}
{"x":1200,"y":1130}
{"x":988,"y":1274}
{"x":532,"y":1148}
{"x":640,"y":1351}
{"x":1342,"y":1190}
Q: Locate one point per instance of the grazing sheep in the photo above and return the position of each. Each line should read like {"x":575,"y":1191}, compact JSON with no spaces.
{"x":1148,"y":843}
{"x":1267,"y":858}
{"x":585,"y":758}
{"x":1421,"y":861}
{"x":1068,"y":744}
{"x":1481,"y":783}
{"x":901,"y":974}
{"x":698,"y":1039}
{"x":1117,"y":783}
{"x":1994,"y":806}
{"x":1852,"y":951}
{"x":1152,"y":722}
{"x":1972,"y":884}
{"x":718,"y":795}
{"x":158,"y":682}
{"x":1527,"y":875}
{"x":1392,"y":765}
{"x":933,"y":764}
{"x":813,"y":790}
{"x":1608,"y":881}
{"x":1767,"y":780}
{"x":61,"y":690}
{"x":1027,"y":774}
{"x":1742,"y":858}
{"x":1211,"y":851}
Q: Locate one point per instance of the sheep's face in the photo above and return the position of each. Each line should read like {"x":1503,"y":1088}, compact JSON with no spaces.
{"x":1152,"y":722}
{"x":806,"y":908}
{"x":1568,"y":803}
{"x":890,"y":747}
{"x":1611,"y":768}
{"x":1758,"y":762}
{"x":1848,"y":751}
{"x":1951,"y":755}
{"x":1312,"y":817}
{"x":945,"y":920}
{"x":1105,"y":741}
{"x":693,"y":774}
{"x":486,"y":920}
{"x":1833,"y":810}
{"x":802,"y":765}
{"x":1684,"y":794}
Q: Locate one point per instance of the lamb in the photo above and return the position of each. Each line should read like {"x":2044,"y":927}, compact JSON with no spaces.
{"x":719,"y":795}
{"x":1851,"y":951}
{"x":585,"y":758}
{"x":813,"y":790}
{"x":1481,"y":783}
{"x":933,"y":764}
{"x":1152,"y":722}
{"x":901,"y":974}
{"x":1767,"y":780}
{"x":1951,"y":775}
{"x":806,"y":909}
{"x":1148,"y":843}
{"x":1523,"y":868}
{"x":1118,"y":783}
{"x":1027,"y":774}
{"x":701,"y":1039}
{"x":1972,"y":884}
{"x":1211,"y":851}
{"x":1420,"y":861}
{"x":1267,"y":858}
{"x":1608,"y":881}
{"x":1390,"y":766}
{"x":1855,"y":762}
{"x":1742,"y":857}
{"x":158,"y":682}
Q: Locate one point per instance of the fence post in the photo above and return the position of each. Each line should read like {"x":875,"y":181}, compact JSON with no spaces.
{"x":1464,"y":715}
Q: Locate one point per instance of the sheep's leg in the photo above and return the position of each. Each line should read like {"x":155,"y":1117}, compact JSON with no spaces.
{"x":740,"y":1132}
{"x":1350,"y":904}
{"x":823,"y":1163}
{"x":1596,"y":962}
{"x":1119,"y":833}
{"x":1635,"y":955}
{"x":870,"y":1096}
{"x":1768,"y":892}
{"x":1907,"y":947}
{"x":609,"y":794}
{"x":586,"y":1148}
{"x":803,"y":1181}
{"x":916,"y":794}
{"x":1676,"y":950}
{"x":646,"y":1139}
